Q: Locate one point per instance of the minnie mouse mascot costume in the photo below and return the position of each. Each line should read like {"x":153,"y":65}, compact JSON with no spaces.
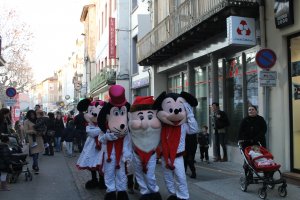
{"x":90,"y":157}
{"x":113,"y":121}
{"x":176,"y":113}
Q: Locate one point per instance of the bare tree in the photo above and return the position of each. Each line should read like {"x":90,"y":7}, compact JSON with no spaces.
{"x":16,"y":44}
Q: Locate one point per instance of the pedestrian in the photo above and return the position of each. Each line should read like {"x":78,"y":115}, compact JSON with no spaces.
{"x":190,"y":152}
{"x":19,"y":131}
{"x":59,"y":128}
{"x":68,"y":136}
{"x":4,"y":120}
{"x":80,"y":126}
{"x":5,"y":165}
{"x":251,"y":131}
{"x":49,"y":137}
{"x":253,"y":128}
{"x":220,"y":123}
{"x":204,"y":142}
{"x":29,"y":129}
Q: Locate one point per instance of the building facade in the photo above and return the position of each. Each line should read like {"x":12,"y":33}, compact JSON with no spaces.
{"x":210,"y":49}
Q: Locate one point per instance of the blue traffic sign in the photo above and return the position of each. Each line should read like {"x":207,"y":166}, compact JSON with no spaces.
{"x":11,"y":92}
{"x":265,"y":58}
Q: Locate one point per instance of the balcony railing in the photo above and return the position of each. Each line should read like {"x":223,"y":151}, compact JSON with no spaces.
{"x":106,"y":77}
{"x":188,"y":15}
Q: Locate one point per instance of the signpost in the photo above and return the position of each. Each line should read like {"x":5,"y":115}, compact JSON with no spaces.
{"x":11,"y":92}
{"x":265,"y":59}
{"x":267,"y":78}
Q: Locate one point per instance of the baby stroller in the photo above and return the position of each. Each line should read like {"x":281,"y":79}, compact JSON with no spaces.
{"x":18,"y":160}
{"x":256,"y":174}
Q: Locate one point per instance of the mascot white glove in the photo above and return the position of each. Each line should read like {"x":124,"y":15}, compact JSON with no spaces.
{"x":108,"y":136}
{"x":188,"y":109}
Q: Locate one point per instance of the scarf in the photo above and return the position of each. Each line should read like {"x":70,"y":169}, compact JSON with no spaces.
{"x":118,"y":144}
{"x":144,"y":156}
{"x":170,"y":138}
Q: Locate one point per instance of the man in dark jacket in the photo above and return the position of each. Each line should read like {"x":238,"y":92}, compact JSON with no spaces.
{"x":220,"y":123}
{"x":80,"y":126}
{"x":5,"y":157}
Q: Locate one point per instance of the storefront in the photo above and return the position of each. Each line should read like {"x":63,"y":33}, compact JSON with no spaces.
{"x":294,"y":85}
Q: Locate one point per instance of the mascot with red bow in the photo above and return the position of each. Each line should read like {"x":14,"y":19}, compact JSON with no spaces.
{"x":145,"y":129}
{"x":176,"y":113}
{"x":90,"y":157}
{"x":113,"y":121}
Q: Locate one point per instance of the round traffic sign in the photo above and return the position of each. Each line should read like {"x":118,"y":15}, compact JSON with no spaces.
{"x":265,"y":58}
{"x":11,"y":92}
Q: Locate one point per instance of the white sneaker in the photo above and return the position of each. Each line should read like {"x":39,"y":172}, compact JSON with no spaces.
{"x":34,"y":144}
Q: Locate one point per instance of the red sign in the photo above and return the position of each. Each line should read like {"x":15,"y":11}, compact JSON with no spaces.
{"x":112,"y":38}
{"x":265,"y":58}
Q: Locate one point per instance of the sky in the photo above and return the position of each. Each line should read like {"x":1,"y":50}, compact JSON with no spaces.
{"x":55,"y":25}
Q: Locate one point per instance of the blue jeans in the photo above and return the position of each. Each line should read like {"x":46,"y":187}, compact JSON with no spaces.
{"x":57,"y":144}
{"x":35,"y":158}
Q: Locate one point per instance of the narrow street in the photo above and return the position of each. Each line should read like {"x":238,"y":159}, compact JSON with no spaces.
{"x":59,"y":179}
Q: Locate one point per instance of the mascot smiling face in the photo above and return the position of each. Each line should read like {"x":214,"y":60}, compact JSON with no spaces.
{"x":144,"y":125}
{"x":93,"y":111}
{"x":170,"y":107}
{"x":113,"y":116}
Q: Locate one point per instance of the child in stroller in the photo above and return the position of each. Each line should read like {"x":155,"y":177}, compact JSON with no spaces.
{"x":17,"y":161}
{"x":259,"y":162}
{"x":260,"y":157}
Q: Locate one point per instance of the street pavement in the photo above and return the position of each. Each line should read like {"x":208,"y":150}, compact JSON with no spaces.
{"x":59,"y":179}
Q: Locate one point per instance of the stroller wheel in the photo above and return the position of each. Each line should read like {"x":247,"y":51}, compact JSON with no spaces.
{"x":244,"y":184}
{"x":262,"y":193}
{"x":282,"y":191}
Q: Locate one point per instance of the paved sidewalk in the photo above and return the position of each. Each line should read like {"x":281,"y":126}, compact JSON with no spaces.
{"x":215,"y":181}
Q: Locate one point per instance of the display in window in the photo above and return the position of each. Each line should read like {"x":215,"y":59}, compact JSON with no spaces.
{"x":296,"y":68}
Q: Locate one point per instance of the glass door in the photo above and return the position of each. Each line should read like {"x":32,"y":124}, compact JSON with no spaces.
{"x":202,"y":94}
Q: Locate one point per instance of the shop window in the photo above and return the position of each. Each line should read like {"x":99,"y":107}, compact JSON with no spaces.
{"x":295,"y":101}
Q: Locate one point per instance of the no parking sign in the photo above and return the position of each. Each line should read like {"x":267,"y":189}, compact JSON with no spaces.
{"x":11,"y":92}
{"x":265,"y":59}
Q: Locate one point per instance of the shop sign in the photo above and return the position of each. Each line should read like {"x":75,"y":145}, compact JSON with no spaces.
{"x":112,"y":38}
{"x":267,"y":78}
{"x":284,"y":13}
{"x":140,"y":83}
{"x":241,"y":30}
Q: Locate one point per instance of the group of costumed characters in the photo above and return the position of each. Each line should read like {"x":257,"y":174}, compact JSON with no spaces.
{"x":133,"y":133}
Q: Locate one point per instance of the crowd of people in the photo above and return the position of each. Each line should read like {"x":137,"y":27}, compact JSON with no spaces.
{"x":45,"y":132}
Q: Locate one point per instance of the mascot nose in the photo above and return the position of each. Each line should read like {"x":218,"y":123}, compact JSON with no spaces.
{"x":94,"y":114}
{"x":122,"y":126}
{"x":176,"y":111}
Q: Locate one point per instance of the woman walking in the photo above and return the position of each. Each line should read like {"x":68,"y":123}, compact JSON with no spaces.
{"x":30,"y":131}
{"x":59,"y":128}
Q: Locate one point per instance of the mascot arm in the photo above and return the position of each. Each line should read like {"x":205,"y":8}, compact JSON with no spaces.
{"x":192,"y":123}
{"x":92,"y":131}
{"x":127,"y":149}
{"x":108,"y":136}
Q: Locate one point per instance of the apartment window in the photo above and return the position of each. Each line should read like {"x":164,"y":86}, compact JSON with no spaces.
{"x":106,"y":62}
{"x":134,"y":59}
{"x":102,"y":28}
{"x":105,"y":14}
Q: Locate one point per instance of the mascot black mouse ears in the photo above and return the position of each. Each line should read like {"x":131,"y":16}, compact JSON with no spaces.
{"x":83,"y":104}
{"x":117,"y":99}
{"x":187,"y":96}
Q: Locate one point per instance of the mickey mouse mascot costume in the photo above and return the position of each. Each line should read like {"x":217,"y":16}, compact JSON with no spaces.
{"x":145,"y":129}
{"x":113,"y":121}
{"x":90,"y":157}
{"x":176,"y":113}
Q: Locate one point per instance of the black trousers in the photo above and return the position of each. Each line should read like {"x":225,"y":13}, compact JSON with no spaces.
{"x":203,"y":152}
{"x":220,"y":139}
{"x":190,"y":152}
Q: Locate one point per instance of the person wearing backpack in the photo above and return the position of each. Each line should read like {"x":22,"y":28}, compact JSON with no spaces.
{"x":220,"y":123}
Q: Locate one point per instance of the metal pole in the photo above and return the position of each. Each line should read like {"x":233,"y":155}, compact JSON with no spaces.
{"x":244,"y":88}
